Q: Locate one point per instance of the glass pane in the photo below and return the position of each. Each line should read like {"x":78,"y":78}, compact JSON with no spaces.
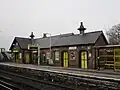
{"x":47,"y":55}
{"x":56,"y":55}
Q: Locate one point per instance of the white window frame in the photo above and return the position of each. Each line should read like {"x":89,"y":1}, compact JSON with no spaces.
{"x":57,"y":55}
{"x":48,"y":55}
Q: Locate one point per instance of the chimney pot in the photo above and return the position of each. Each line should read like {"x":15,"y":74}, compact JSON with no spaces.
{"x":44,"y":35}
{"x":32,"y":35}
{"x":81,"y":28}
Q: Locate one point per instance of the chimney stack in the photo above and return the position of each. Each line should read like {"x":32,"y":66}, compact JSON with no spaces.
{"x":81,"y":28}
{"x":32,"y":38}
{"x":44,"y":35}
{"x":32,"y":35}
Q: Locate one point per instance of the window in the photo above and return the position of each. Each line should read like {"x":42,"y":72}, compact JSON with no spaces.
{"x":72,"y":55}
{"x":20,"y":55}
{"x":57,"y":55}
{"x":43,"y":57}
{"x":16,"y":43}
{"x":48,"y":55}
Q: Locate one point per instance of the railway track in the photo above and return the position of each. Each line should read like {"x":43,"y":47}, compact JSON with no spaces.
{"x":7,"y":86}
{"x":4,"y":87}
{"x":76,"y":73}
{"x":30,"y":82}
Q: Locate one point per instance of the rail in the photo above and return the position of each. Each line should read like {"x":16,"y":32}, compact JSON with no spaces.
{"x":75,"y":74}
{"x":7,"y":86}
{"x":31,"y":82}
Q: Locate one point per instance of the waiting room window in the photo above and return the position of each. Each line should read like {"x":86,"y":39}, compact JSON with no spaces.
{"x":48,"y":55}
{"x":72,"y":55}
{"x":57,"y":55}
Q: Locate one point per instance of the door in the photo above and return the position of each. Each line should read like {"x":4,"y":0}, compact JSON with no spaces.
{"x":65,"y":59}
{"x":83,"y":59}
{"x":34,"y":58}
{"x":27,"y":58}
{"x":17,"y":57}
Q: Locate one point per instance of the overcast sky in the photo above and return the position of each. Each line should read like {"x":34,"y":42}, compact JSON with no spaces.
{"x":21,"y":17}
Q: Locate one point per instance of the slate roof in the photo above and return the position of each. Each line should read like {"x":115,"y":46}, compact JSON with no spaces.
{"x":23,"y":42}
{"x":87,"y":38}
{"x":70,"y":39}
{"x":45,"y":42}
{"x":62,"y":40}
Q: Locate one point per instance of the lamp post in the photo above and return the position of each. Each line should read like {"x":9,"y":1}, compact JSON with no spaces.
{"x":50,"y":48}
{"x":38,"y":54}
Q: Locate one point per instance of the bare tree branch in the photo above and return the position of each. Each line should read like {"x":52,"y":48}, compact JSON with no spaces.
{"x":114,"y":34}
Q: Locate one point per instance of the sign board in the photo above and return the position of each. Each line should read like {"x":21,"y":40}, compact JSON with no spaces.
{"x":56,"y":49}
{"x":32,"y":47}
{"x":15,"y":51}
{"x":72,"y":48}
{"x":34,"y":51}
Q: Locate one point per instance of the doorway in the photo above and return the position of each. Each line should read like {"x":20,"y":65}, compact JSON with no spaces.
{"x":83,"y":57}
{"x":27,"y":58}
{"x":65,"y":59}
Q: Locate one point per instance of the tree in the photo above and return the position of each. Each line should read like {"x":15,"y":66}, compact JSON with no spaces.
{"x":114,"y":34}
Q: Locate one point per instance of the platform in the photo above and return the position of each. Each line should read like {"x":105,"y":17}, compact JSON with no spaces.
{"x":66,"y":78}
{"x":105,"y":74}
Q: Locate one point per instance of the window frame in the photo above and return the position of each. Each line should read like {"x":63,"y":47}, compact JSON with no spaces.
{"x":57,"y":55}
{"x":72,"y":55}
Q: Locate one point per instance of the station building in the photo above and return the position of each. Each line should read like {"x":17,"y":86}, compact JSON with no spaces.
{"x":65,"y":50}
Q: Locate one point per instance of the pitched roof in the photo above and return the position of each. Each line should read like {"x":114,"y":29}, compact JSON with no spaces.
{"x":45,"y":42}
{"x":87,"y":38}
{"x":62,"y":40}
{"x":70,"y":39}
{"x":23,"y":42}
